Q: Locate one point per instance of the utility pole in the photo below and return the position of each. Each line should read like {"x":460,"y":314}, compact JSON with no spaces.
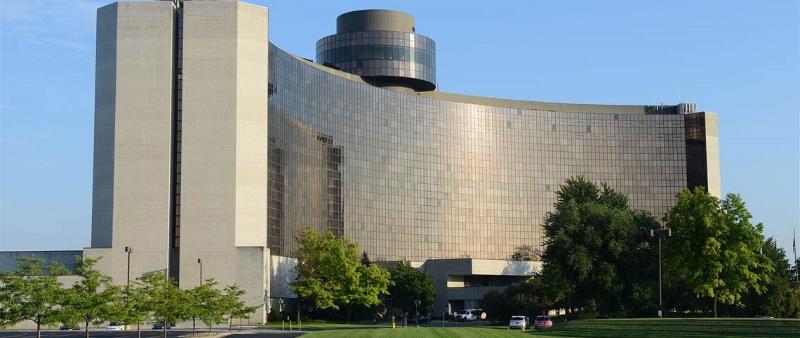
{"x":660,"y":233}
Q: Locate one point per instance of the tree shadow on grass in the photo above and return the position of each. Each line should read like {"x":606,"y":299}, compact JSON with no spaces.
{"x":675,"y":328}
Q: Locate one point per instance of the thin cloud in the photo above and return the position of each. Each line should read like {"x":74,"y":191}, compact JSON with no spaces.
{"x":60,"y":24}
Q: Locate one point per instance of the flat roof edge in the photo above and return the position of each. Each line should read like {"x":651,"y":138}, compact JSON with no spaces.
{"x":655,"y":109}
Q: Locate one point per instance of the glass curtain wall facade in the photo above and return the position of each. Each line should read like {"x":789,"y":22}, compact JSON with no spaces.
{"x":381,"y":53}
{"x":410,"y":177}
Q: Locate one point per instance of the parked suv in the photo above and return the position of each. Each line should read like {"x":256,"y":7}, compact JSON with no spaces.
{"x":467,"y":315}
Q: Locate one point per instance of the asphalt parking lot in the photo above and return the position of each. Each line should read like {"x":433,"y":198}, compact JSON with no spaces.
{"x":145,"y":334}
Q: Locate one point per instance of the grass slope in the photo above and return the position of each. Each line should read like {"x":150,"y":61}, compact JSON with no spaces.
{"x":590,"y":328}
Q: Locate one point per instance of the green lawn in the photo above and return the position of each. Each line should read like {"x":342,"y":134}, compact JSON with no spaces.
{"x":325,"y":326}
{"x":678,"y":328}
{"x":421,"y":332}
{"x":585,"y":328}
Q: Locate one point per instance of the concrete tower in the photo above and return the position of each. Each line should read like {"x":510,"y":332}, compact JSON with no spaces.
{"x":180,"y":163}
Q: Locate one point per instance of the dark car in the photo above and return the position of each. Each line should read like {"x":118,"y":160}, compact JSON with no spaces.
{"x":421,"y":319}
{"x":68,"y":327}
{"x":160,"y":326}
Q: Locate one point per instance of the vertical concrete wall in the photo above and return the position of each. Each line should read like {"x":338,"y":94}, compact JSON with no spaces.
{"x":252,"y":52}
{"x":712,"y":154}
{"x":224,"y":148}
{"x":104,"y":109}
{"x":133,"y":123}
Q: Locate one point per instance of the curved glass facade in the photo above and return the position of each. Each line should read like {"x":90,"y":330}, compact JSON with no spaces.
{"x":381,"y":54}
{"x":414,"y":177}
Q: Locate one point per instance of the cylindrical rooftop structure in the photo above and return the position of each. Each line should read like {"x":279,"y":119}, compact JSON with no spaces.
{"x":374,"y":20}
{"x":382,"y":47}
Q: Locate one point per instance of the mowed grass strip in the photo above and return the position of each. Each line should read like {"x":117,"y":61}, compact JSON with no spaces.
{"x":587,"y":328}
{"x":324,"y":326}
{"x":421,"y":332}
{"x":739,"y":327}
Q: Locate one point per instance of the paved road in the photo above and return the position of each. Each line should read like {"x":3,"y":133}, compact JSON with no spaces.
{"x":132,"y":334}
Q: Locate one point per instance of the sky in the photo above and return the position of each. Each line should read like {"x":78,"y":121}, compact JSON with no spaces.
{"x":739,"y":59}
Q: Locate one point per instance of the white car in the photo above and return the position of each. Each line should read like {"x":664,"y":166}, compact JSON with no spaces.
{"x":518,"y":322}
{"x":466,"y":315}
{"x":114,"y":326}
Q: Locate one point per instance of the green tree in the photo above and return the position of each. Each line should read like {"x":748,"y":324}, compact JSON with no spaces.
{"x":91,"y":298}
{"x":528,"y":298}
{"x":556,"y":291}
{"x":775,"y":301}
{"x":166,"y":302}
{"x":793,"y":303}
{"x":232,"y":305}
{"x":526,"y":253}
{"x":497,"y":306}
{"x":639,"y":267}
{"x":330,"y":273}
{"x":132,"y":307}
{"x":714,"y":248}
{"x":409,"y":285}
{"x":587,"y":240}
{"x":204,"y":302}
{"x":32,"y":292}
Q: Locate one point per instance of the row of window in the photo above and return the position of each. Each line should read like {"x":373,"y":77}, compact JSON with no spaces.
{"x":414,"y":177}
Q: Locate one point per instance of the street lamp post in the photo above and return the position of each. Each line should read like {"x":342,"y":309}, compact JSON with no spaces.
{"x":660,"y":233}
{"x":129,"y":251}
{"x":416,"y":311}
{"x":200,"y":261}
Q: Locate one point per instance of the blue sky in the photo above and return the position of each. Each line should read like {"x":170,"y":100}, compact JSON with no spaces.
{"x":736,"y":58}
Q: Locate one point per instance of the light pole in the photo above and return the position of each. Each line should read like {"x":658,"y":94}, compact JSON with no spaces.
{"x":660,"y":233}
{"x":283,"y":318}
{"x":129,"y":251}
{"x":200,"y":261}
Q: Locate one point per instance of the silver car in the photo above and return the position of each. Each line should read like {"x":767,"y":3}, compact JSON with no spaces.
{"x":466,"y":315}
{"x":519,"y":322}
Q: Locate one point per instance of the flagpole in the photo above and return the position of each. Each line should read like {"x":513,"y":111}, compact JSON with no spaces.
{"x":794,"y":251}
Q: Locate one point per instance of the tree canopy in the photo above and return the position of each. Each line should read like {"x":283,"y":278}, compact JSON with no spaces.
{"x":92,"y":298}
{"x":331,"y":275}
{"x":715,"y":249}
{"x":526,"y":253}
{"x":409,"y":285}
{"x":167,"y":302}
{"x":590,"y":238}
{"x":32,"y":292}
